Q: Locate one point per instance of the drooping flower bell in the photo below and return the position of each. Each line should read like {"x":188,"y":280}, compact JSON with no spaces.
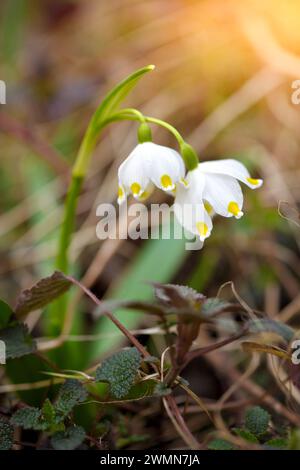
{"x":147,"y":165}
{"x":212,"y":187}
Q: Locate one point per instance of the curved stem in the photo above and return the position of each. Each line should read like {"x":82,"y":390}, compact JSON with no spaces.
{"x":134,"y":115}
{"x":167,"y":126}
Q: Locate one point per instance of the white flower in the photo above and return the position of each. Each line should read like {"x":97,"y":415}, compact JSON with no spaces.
{"x":146,"y":165}
{"x":212,"y":187}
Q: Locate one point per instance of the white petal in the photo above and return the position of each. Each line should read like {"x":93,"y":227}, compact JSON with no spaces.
{"x":133,"y":172}
{"x":232,"y":168}
{"x":224,"y":194}
{"x":189,"y":208}
{"x":166,"y":166}
{"x":194,"y":218}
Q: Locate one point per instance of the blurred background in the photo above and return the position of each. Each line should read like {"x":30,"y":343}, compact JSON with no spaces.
{"x":223,"y":77}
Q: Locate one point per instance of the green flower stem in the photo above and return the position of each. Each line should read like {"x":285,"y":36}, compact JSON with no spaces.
{"x":99,"y":120}
{"x":68,"y":223}
{"x":187,"y":152}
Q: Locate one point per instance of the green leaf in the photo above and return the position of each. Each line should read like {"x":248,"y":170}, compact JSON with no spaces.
{"x":29,"y":418}
{"x":6,"y":434}
{"x":138,"y":391}
{"x":18,"y":341}
{"x":5,"y":313}
{"x":71,"y":393}
{"x":277,"y":443}
{"x":220,"y":444}
{"x":102,"y":116}
{"x":69,"y":439}
{"x":247,"y":435}
{"x":42,"y":293}
{"x":117,"y":95}
{"x":257,"y":420}
{"x":119,"y":370}
{"x":48,"y":411}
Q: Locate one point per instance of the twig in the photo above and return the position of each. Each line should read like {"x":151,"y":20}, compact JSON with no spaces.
{"x":14,"y":128}
{"x":118,"y":324}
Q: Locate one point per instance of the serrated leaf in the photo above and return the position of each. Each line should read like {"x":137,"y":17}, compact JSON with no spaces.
{"x":119,"y":370}
{"x":174,"y":295}
{"x":247,"y":435}
{"x":257,"y":420}
{"x":6,"y":313}
{"x":6,"y":434}
{"x":138,"y":391}
{"x":29,"y":418}
{"x":220,"y":444}
{"x":71,"y":393}
{"x":69,"y":439}
{"x":42,"y":293}
{"x":18,"y":341}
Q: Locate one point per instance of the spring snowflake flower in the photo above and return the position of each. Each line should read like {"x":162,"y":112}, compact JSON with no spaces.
{"x":212,"y":187}
{"x":147,"y":165}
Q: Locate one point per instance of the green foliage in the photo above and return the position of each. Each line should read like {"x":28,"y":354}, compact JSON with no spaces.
{"x":114,"y":98}
{"x":119,"y":370}
{"x":71,"y":393}
{"x":257,"y":420}
{"x":277,"y":443}
{"x":48,"y":411}
{"x":247,"y":435}
{"x":17,"y":340}
{"x":5,"y":313}
{"x":69,"y":439}
{"x":42,"y":293}
{"x":29,"y":418}
{"x":6,"y":434}
{"x":220,"y":444}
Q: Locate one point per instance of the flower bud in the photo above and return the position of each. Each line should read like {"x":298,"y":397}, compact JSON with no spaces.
{"x":144,"y":133}
{"x":189,"y":156}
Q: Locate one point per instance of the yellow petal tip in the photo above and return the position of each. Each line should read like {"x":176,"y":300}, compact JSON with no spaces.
{"x":255,"y":182}
{"x":233,"y":208}
{"x":203,"y":230}
{"x":167,"y":183}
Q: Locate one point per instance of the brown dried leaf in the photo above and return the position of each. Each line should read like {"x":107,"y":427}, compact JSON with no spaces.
{"x":250,"y":346}
{"x":42,"y":293}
